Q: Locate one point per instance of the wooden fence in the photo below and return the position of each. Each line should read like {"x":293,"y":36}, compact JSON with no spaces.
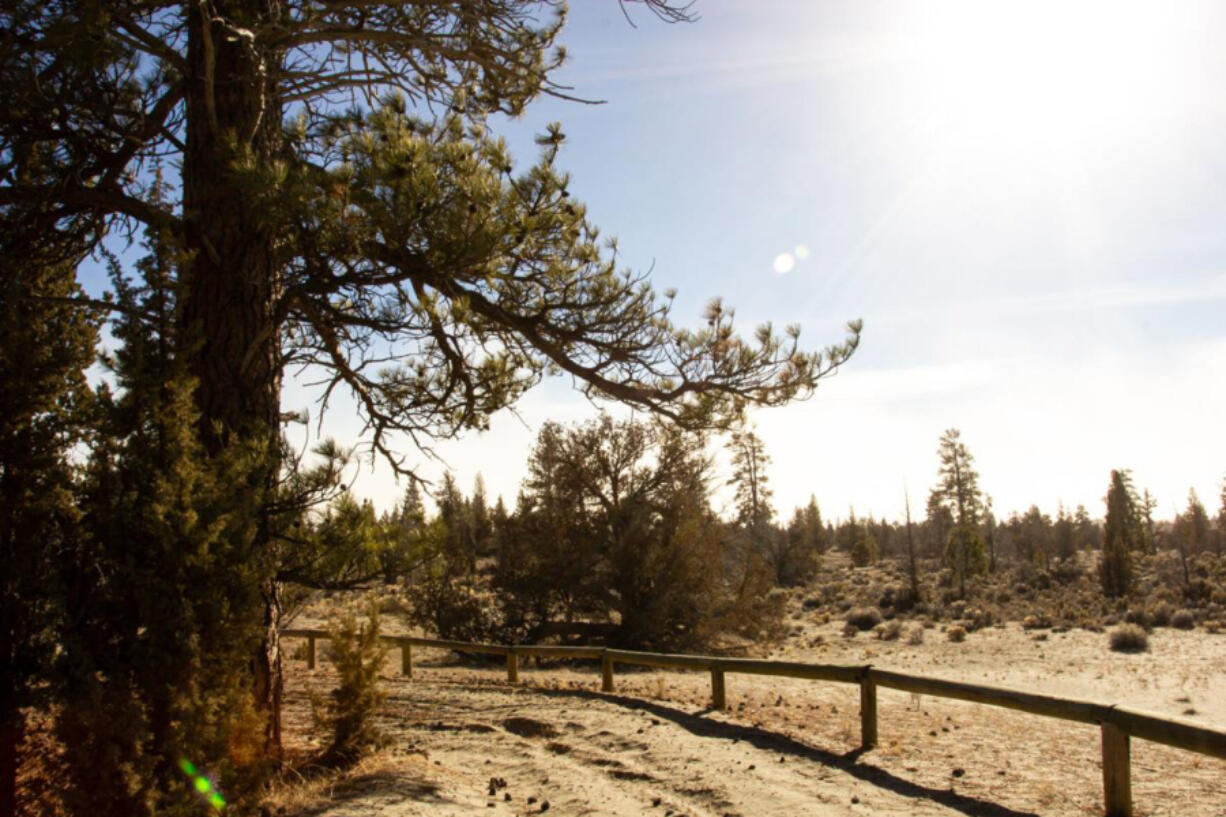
{"x":1118,"y":724}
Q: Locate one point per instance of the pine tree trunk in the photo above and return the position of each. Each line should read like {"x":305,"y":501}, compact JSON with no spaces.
{"x":232,"y":273}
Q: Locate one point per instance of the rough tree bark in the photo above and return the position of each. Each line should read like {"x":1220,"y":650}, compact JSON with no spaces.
{"x":232,"y":271}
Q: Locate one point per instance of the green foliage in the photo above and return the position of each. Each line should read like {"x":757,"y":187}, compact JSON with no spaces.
{"x":957,"y":489}
{"x":613,"y":536}
{"x":357,"y":653}
{"x":45,"y":408}
{"x":165,"y":612}
{"x":794,"y":554}
{"x":324,"y":239}
{"x":863,"y":545}
{"x":966,"y":555}
{"x":1124,"y":534}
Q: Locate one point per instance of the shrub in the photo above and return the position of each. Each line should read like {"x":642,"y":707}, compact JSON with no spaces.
{"x":864,"y":618}
{"x":915,"y":636}
{"x":1213,"y":627}
{"x":890,"y":630}
{"x":1183,"y":620}
{"x":1129,"y":638}
{"x":454,"y":607}
{"x":1041,"y":622}
{"x":357,"y":653}
{"x":956,"y":633}
{"x":1138,"y":617}
{"x":850,"y":630}
{"x":1160,"y":615}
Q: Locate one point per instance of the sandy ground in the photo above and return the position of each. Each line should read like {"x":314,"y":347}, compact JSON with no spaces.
{"x":784,"y":747}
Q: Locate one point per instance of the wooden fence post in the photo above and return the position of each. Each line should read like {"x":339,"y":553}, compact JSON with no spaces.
{"x":606,"y":673}
{"x":719,"y":700}
{"x":868,"y":711}
{"x":310,"y":652}
{"x":512,"y":666}
{"x":406,"y":659}
{"x":1117,"y":775}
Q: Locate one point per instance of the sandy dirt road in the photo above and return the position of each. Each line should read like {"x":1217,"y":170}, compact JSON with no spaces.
{"x":464,"y":741}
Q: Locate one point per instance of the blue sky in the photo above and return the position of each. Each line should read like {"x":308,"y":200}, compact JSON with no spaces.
{"x":1025,"y":202}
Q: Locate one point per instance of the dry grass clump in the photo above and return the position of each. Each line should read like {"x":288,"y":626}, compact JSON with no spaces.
{"x":915,"y":636}
{"x":956,"y":633}
{"x":1129,"y":638}
{"x":1183,"y":620}
{"x":863,"y":618}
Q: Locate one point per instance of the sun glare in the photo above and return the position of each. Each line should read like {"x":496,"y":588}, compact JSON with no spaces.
{"x":1076,"y":75}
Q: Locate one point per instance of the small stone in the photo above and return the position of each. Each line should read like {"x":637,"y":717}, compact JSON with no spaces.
{"x":855,"y":800}
{"x":959,"y":772}
{"x":545,"y":805}
{"x":531,"y":800}
{"x":655,"y":801}
{"x":752,"y":766}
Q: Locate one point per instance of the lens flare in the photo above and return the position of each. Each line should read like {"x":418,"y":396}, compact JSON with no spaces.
{"x":801,"y":252}
{"x":784,"y":263}
{"x":202,"y":784}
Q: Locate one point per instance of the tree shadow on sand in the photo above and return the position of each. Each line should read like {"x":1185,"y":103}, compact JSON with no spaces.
{"x":849,"y":762}
{"x":373,"y":791}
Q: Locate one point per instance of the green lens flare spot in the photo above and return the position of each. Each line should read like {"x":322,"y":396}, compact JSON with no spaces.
{"x":187,"y":767}
{"x":217,"y":801}
{"x":202,"y":785}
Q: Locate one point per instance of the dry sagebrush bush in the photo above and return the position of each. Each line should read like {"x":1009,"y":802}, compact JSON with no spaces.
{"x":1183,"y":620}
{"x":915,"y":636}
{"x":864,"y":618}
{"x":956,"y":633}
{"x":1129,"y":638}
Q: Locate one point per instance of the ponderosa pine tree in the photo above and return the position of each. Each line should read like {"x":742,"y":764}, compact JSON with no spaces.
{"x":326,"y":215}
{"x":957,"y":491}
{"x":1123,"y":535}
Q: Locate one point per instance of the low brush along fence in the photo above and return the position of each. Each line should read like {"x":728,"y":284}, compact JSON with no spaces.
{"x":1118,"y":724}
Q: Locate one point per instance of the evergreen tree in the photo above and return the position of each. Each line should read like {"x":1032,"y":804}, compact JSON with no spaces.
{"x":1196,"y":525}
{"x":165,"y":600}
{"x":937,"y":524}
{"x":749,"y":463}
{"x":1148,"y":505}
{"x":1064,"y":535}
{"x":989,"y":533}
{"x":957,"y":491}
{"x":863,"y":545}
{"x":1123,"y":535}
{"x":45,"y":347}
{"x":330,"y":235}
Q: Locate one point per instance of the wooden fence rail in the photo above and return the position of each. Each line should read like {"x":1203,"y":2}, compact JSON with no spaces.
{"x":1118,"y":724}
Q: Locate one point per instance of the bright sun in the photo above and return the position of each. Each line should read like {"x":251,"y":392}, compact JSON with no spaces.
{"x":1076,"y":75}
